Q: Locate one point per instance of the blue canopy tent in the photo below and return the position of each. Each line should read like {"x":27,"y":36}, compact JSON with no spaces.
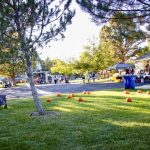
{"x":121,"y":66}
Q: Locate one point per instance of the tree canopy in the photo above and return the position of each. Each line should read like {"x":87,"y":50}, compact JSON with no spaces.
{"x":35,"y":23}
{"x":104,"y":10}
{"x":46,"y":64}
{"x":61,"y":67}
{"x":121,"y":37}
{"x":11,"y":64}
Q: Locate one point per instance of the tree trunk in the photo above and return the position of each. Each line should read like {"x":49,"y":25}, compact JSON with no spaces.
{"x":32,"y":85}
{"x":13,"y":78}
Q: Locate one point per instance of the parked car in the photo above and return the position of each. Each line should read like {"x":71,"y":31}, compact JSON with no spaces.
{"x":42,"y":80}
{"x":1,"y":80}
{"x":20,"y":80}
{"x":7,"y":82}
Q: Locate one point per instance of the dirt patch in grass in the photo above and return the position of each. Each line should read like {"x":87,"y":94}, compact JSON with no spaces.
{"x":47,"y":113}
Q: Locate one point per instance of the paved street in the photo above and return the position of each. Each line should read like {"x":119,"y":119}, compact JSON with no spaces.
{"x":48,"y":89}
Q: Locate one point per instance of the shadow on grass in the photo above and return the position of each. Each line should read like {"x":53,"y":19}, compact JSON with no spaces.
{"x":101,"y":122}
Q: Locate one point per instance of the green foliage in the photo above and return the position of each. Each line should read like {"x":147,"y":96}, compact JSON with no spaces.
{"x":118,"y":41}
{"x":91,"y":59}
{"x":61,"y":67}
{"x":121,"y":37}
{"x":11,"y":63}
{"x":143,"y":51}
{"x":102,"y":11}
{"x":85,"y":61}
{"x":105,"y":45}
{"x":35,"y":24}
{"x":46,"y":64}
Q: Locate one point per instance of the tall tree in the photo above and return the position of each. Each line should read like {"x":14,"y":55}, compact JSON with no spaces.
{"x":85,"y":60}
{"x":61,"y":67}
{"x":90,"y":59}
{"x":46,"y":64}
{"x":104,"y":10}
{"x":106,"y":49}
{"x":11,"y":64}
{"x":123,"y":36}
{"x":36,"y":23}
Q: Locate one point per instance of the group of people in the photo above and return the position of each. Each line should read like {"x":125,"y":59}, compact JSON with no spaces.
{"x":58,"y":79}
{"x":141,"y":76}
{"x":89,"y":77}
{"x":130,"y":71}
{"x":51,"y":79}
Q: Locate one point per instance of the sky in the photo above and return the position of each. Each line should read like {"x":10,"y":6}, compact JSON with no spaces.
{"x":76,"y":37}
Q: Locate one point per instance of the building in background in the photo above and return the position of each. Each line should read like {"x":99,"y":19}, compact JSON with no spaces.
{"x":143,"y":63}
{"x":40,"y":76}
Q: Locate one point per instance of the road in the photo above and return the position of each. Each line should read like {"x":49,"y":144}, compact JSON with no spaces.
{"x":49,"y":89}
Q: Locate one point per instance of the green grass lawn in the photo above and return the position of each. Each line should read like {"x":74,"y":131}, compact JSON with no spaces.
{"x":104,"y":121}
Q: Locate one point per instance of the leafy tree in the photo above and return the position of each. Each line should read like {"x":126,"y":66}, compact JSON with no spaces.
{"x":11,"y":64}
{"x":85,"y":61}
{"x":91,"y":59}
{"x":46,"y":64}
{"x":35,"y":23}
{"x":106,"y":49}
{"x":77,"y":68}
{"x":61,"y":67}
{"x":143,"y":51}
{"x":123,"y":37}
{"x":104,"y":10}
{"x":95,"y":57}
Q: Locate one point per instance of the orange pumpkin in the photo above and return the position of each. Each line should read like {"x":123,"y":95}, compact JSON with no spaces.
{"x":148,"y":92}
{"x":126,"y":92}
{"x":129,"y":99}
{"x":80,"y":99}
{"x":139,"y":91}
{"x":73,"y":95}
{"x":88,"y":92}
{"x":84,"y":92}
{"x":49,"y":100}
{"x":59,"y":95}
{"x":69,"y":96}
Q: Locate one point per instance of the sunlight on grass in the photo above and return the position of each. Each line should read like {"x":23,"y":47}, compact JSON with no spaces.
{"x":73,"y":108}
{"x":104,"y":120}
{"x":127,"y":124}
{"x":62,"y":109}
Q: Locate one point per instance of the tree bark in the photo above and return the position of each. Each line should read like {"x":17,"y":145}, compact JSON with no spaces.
{"x":13,"y":78}
{"x":37,"y":102}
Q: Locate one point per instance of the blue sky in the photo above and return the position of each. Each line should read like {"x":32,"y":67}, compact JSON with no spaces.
{"x":76,"y":36}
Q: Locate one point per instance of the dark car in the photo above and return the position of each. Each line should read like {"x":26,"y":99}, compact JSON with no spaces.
{"x":42,"y":80}
{"x":20,"y":80}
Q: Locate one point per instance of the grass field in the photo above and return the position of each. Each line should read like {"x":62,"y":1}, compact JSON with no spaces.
{"x":104,"y":121}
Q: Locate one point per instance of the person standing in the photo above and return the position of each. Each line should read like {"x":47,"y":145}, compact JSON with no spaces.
{"x":83,"y":78}
{"x":55,"y":79}
{"x":93,"y":77}
{"x":89,"y":77}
